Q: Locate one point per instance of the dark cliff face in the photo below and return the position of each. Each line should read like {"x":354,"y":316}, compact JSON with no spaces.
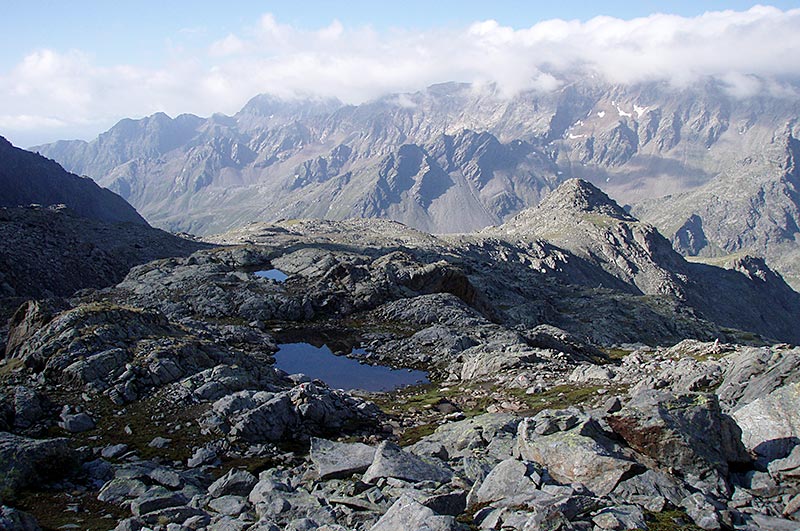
{"x":28,"y":178}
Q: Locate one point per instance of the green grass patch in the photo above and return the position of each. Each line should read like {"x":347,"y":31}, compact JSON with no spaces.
{"x":56,"y":510}
{"x":616,"y":354}
{"x":10,"y":366}
{"x":670,"y":521}
{"x":558,"y":397}
{"x":415,"y":434}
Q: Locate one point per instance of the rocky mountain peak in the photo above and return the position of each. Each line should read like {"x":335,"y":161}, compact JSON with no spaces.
{"x":577,"y":195}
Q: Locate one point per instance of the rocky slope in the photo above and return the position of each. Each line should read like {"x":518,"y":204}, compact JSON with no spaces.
{"x":53,"y":252}
{"x":581,"y":219}
{"x":28,"y":178}
{"x":160,"y":400}
{"x":753,"y":207}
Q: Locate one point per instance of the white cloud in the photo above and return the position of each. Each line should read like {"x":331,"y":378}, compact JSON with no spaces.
{"x":748,"y":51}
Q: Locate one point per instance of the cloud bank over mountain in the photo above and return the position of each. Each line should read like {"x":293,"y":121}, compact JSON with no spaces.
{"x":59,"y":93}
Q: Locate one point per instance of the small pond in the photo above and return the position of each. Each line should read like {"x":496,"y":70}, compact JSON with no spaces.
{"x":273,"y":274}
{"x":341,"y":372}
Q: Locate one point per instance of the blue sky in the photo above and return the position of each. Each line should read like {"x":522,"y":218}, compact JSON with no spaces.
{"x":137,"y":32}
{"x":71,"y":69}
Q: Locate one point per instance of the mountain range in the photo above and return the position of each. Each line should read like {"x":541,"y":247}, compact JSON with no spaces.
{"x":459,"y":157}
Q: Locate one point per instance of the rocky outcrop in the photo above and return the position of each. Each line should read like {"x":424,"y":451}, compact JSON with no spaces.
{"x":686,"y":433}
{"x":25,"y":462}
{"x":573,"y":449}
{"x":256,"y":416}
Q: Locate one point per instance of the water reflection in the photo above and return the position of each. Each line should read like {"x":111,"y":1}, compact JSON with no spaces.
{"x":341,"y":372}
{"x":273,"y":274}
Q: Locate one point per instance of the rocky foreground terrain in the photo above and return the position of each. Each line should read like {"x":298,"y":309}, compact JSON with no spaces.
{"x":584,"y":376}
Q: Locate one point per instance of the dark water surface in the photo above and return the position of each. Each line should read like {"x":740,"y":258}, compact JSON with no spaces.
{"x":341,"y":372}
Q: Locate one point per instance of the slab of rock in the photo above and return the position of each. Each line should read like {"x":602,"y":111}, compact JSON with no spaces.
{"x":510,"y":480}
{"x":340,"y":460}
{"x":789,"y":466}
{"x":236,"y":482}
{"x":120,"y":489}
{"x":25,"y":461}
{"x":202,"y":456}
{"x":771,"y":424}
{"x":164,"y":476}
{"x":156,"y":499}
{"x":16,"y":520}
{"x":159,"y":442}
{"x":579,"y":452}
{"x":112,"y":451}
{"x":406,"y":513}
{"x":620,"y":517}
{"x":651,"y":489}
{"x":462,"y":438}
{"x":756,"y":372}
{"x":228,"y":505}
{"x":702,"y":511}
{"x":687,"y":432}
{"x":392,"y":462}
{"x":28,"y":407}
{"x":269,"y":421}
{"x":76,"y":423}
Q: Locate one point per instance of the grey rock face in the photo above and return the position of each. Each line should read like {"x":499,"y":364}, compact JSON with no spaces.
{"x":235,"y":482}
{"x":687,"y":432}
{"x":392,"y":462}
{"x":771,"y":424}
{"x":572,"y":448}
{"x":156,"y":499}
{"x":255,"y":416}
{"x":754,"y":373}
{"x":463,"y":438}
{"x":406,"y":513}
{"x":25,"y":461}
{"x":335,"y":460}
{"x":621,"y":517}
{"x":512,"y":482}
{"x":119,"y":489}
{"x":15,"y":520}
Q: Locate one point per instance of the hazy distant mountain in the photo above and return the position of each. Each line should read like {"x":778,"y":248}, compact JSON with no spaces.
{"x":451,"y":158}
{"x":752,"y":206}
{"x":28,"y":178}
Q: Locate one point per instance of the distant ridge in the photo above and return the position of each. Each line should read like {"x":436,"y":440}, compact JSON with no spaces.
{"x":28,"y":178}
